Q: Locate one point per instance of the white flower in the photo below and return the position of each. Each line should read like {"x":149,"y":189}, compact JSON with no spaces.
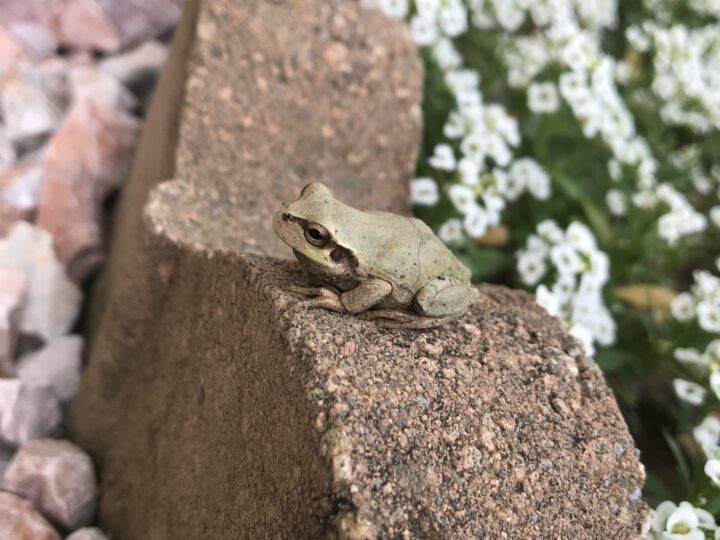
{"x":393,"y":8}
{"x":494,"y":146}
{"x":683,"y":307}
{"x":616,"y":202}
{"x":688,"y":356}
{"x":715,"y":383}
{"x":462,"y":197}
{"x":446,"y":55}
{"x":443,"y":158}
{"x":715,"y":215}
{"x":689,"y":391}
{"x":550,"y":231}
{"x":580,"y":237}
{"x":469,"y":172}
{"x":707,"y":435}
{"x":615,"y":169}
{"x":548,"y":300}
{"x":531,"y":266}
{"x":424,"y":191}
{"x":712,"y":470}
{"x":637,"y":38}
{"x":585,"y":336}
{"x":427,"y":8}
{"x":423,"y":30}
{"x":453,"y":18}
{"x":684,"y":522}
{"x":564,"y":287}
{"x":708,"y":314}
{"x":566,"y":259}
{"x":451,"y":232}
{"x":476,"y":221}
{"x":543,"y":98}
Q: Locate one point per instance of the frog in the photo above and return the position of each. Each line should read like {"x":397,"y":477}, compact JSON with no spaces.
{"x":376,"y":265}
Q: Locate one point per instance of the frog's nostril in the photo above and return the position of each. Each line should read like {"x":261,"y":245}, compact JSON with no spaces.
{"x":286,"y":217}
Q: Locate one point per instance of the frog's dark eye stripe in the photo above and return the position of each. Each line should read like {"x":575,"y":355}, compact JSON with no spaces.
{"x":316,"y":234}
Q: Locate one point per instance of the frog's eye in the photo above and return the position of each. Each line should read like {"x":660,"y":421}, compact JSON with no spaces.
{"x":316,"y":234}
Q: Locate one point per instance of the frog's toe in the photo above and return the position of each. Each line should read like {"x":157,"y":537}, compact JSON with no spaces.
{"x":442,"y":297}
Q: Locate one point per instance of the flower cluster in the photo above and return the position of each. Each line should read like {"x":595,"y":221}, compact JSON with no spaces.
{"x":576,"y":271}
{"x":701,"y":303}
{"x":686,"y":65}
{"x":683,"y":522}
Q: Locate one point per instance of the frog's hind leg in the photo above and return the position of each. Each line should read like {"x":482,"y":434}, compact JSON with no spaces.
{"x":443,"y":297}
{"x":389,"y":318}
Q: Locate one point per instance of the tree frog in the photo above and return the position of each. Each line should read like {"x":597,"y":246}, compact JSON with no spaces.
{"x":378,"y":265}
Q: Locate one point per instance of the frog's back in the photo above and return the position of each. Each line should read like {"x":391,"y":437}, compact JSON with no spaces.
{"x":409,"y":252}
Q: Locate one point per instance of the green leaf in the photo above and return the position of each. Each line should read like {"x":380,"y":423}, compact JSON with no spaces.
{"x":656,"y":491}
{"x":485,"y":262}
{"x":613,"y":359}
{"x":683,"y":467}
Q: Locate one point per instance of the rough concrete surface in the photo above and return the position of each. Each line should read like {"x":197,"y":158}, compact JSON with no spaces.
{"x":214,"y":411}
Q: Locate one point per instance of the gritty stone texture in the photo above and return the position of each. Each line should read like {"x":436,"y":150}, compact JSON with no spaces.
{"x":87,"y":533}
{"x":57,"y":477}
{"x":18,"y":520}
{"x":283,"y":94}
{"x":493,"y":425}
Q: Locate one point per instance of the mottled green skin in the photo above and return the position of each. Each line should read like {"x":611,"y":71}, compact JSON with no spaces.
{"x":394,"y":262}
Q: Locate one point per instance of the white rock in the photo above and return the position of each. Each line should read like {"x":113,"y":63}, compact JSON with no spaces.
{"x":53,"y":300}
{"x":87,"y":533}
{"x":36,"y":39}
{"x":12,"y":295}
{"x":22,"y":186}
{"x":90,"y":84}
{"x":27,"y":412}
{"x":126,"y":67}
{"x":28,"y":111}
{"x":56,"y":365}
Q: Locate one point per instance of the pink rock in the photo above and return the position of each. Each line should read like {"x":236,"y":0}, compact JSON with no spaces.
{"x":12,"y":296}
{"x":18,"y":520}
{"x":53,"y":301}
{"x":27,"y":412}
{"x":84,"y":24}
{"x":127,"y":67}
{"x":28,"y":111}
{"x":87,"y":158}
{"x":10,"y":48}
{"x":109,"y":25}
{"x":57,"y":365}
{"x":87,"y":533}
{"x":57,"y":477}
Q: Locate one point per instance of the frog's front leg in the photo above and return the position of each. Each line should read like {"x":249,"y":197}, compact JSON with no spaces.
{"x":443,"y":297}
{"x":362,"y":297}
